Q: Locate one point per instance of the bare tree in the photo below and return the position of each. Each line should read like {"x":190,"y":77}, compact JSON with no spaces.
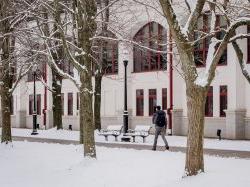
{"x":12,"y":24}
{"x":77,"y":47}
{"x":197,"y":84}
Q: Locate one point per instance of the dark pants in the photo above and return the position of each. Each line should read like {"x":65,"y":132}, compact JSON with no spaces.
{"x":158,"y":131}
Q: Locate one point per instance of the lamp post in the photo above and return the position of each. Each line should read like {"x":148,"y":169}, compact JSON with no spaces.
{"x":34,"y":132}
{"x":125,"y":112}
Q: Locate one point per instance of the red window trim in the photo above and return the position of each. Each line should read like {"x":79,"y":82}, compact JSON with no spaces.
{"x":209,"y":98}
{"x":223,"y":94}
{"x":204,"y":48}
{"x":139,"y":37}
{"x":154,"y":97}
{"x":140,"y":98}
{"x":70,"y":104}
{"x":114,"y":61}
{"x":164,"y":96}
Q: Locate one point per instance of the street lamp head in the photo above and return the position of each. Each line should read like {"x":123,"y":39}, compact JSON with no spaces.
{"x":125,"y":52}
{"x":34,"y":68}
{"x":125,"y":62}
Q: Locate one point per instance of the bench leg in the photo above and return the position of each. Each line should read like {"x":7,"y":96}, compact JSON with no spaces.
{"x":116,"y":138}
{"x":106,"y":138}
{"x":144,"y":139}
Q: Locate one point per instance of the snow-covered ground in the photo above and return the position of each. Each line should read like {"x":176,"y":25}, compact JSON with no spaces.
{"x":173,"y":140}
{"x":29,"y":164}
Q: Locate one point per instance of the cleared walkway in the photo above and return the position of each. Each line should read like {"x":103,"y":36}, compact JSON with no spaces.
{"x":214,"y":152}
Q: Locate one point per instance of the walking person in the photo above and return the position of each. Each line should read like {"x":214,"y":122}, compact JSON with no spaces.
{"x":159,"y":119}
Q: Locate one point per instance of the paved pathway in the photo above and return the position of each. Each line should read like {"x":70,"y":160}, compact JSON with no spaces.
{"x":214,"y":152}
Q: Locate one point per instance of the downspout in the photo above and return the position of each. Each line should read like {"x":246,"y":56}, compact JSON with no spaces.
{"x":170,"y":83}
{"x":45,"y":97}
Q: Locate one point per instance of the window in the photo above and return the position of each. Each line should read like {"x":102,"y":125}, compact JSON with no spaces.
{"x":222,"y":24}
{"x":70,"y":104}
{"x":209,"y":103}
{"x":164,"y":98}
{"x":152,"y":101}
{"x":38,"y":104}
{"x":31,"y":99}
{"x":223,"y":100}
{"x":62,"y":101}
{"x":153,"y":36}
{"x":11,"y":105}
{"x":248,"y":45}
{"x":139,"y":102}
{"x":108,"y":55}
{"x":77,"y":101}
{"x":201,"y":47}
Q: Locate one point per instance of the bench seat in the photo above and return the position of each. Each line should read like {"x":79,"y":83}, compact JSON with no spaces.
{"x":140,"y":130}
{"x":112,"y":130}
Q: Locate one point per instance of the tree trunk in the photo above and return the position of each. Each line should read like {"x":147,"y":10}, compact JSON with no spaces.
{"x":6,"y":86}
{"x":196,"y":98}
{"x":86,"y":115}
{"x":86,"y":30}
{"x":57,"y":101}
{"x":97,"y":102}
{"x":6,"y":118}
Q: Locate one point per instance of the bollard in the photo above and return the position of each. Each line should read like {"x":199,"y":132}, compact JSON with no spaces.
{"x":219,"y":133}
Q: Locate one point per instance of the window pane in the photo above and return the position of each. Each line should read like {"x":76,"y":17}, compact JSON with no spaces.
{"x":164,"y":98}
{"x":223,"y":100}
{"x":30,"y":104}
{"x":139,"y":102}
{"x":38,"y":104}
{"x":153,"y":36}
{"x":152,"y":100}
{"x":209,"y":103}
{"x":70,"y":104}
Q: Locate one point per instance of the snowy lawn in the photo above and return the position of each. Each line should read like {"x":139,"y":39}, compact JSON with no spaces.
{"x":53,"y":165}
{"x":179,"y":141}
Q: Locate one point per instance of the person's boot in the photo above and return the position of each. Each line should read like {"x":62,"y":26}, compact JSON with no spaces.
{"x":154,"y":149}
{"x":167,"y":147}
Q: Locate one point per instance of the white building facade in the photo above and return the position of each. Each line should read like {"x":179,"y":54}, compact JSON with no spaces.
{"x":153,"y":79}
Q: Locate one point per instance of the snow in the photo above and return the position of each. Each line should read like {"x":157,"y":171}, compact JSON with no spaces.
{"x":201,"y":79}
{"x":52,"y":165}
{"x":179,"y":141}
{"x":192,"y":4}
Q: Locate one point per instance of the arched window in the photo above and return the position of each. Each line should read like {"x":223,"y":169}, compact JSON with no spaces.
{"x":106,"y":51}
{"x":201,"y":47}
{"x":152,"y":36}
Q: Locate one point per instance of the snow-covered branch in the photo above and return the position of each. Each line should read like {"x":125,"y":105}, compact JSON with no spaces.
{"x":241,"y":61}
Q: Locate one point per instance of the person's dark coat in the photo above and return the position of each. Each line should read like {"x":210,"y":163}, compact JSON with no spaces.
{"x":155,"y":116}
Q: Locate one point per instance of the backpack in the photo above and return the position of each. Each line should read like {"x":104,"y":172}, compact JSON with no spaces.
{"x":161,"y":119}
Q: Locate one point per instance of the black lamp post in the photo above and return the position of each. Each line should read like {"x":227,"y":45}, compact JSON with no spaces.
{"x":34,"y":132}
{"x":125,"y":112}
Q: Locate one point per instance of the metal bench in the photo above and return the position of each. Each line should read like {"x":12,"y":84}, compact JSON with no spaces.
{"x":140,"y":130}
{"x":112,"y":130}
